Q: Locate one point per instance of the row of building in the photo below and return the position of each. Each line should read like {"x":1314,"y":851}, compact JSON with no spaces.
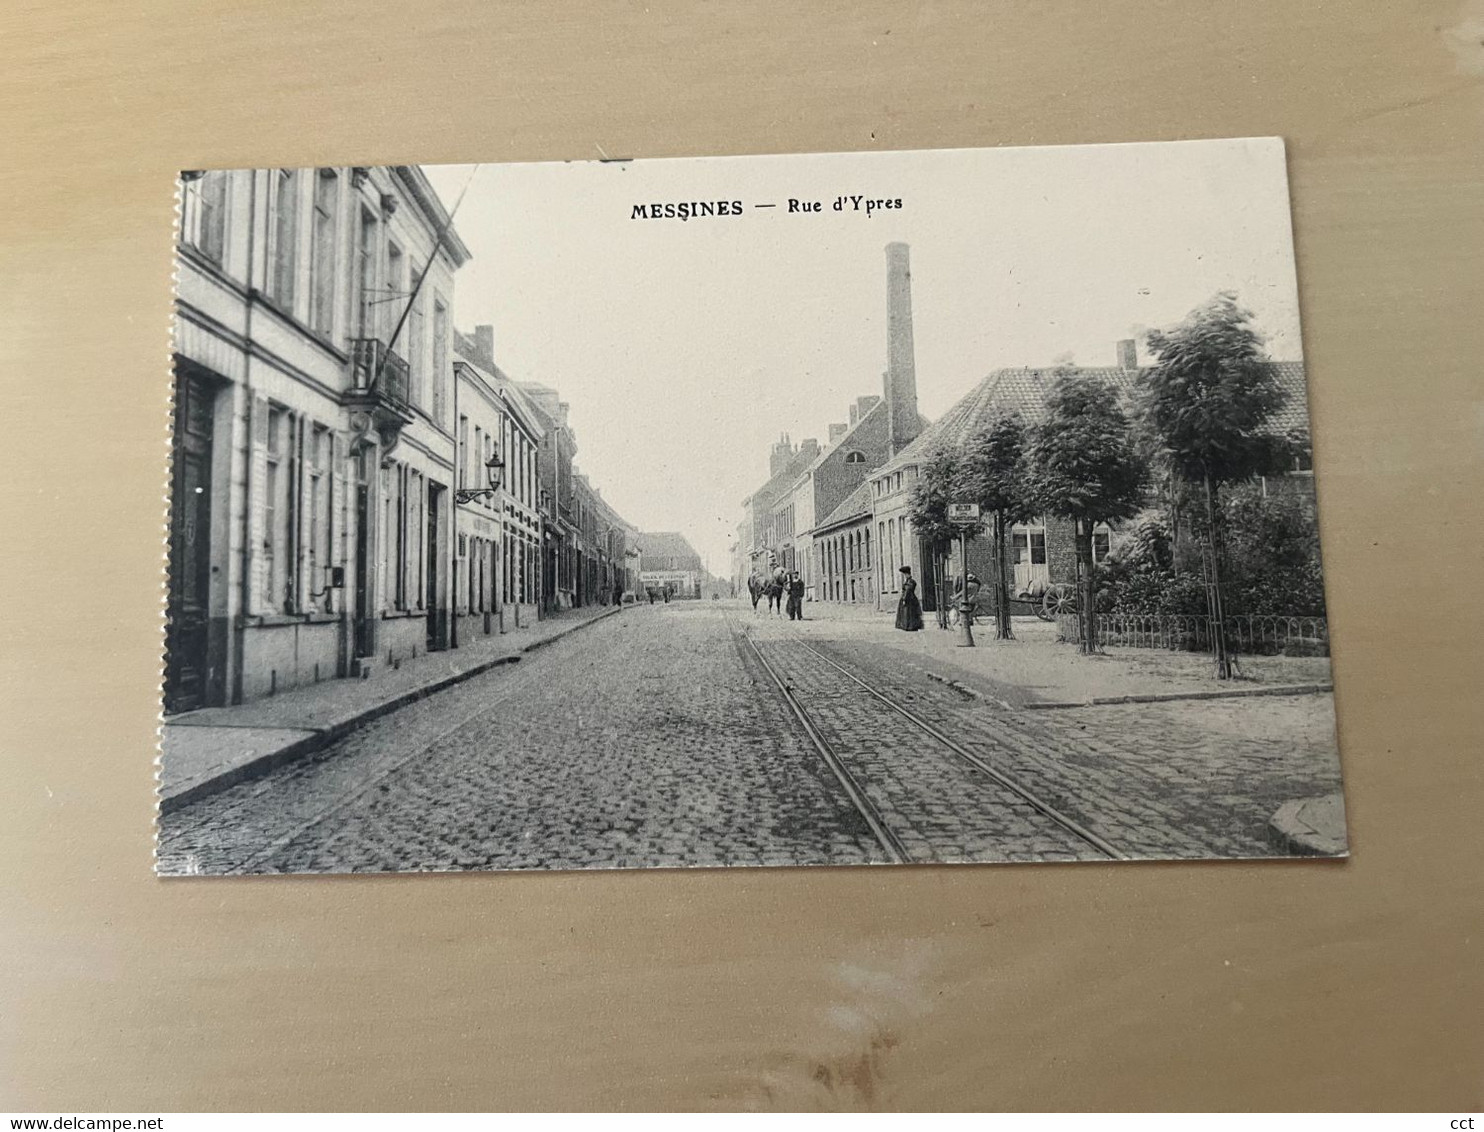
{"x":839,"y":512}
{"x":355,"y":482}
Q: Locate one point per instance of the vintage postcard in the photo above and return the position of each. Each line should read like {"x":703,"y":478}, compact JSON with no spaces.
{"x":833,"y":509}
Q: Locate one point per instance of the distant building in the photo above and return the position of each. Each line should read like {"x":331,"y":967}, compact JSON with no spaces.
{"x":666,"y":558}
{"x":1043,"y":549}
{"x":878,"y":428}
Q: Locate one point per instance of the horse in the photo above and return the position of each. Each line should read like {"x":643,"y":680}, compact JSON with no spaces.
{"x":775,"y":597}
{"x":755,"y":589}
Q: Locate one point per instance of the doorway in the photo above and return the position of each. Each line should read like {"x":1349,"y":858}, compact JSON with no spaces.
{"x":437,"y":553}
{"x":364,"y":645}
{"x":187,"y":638}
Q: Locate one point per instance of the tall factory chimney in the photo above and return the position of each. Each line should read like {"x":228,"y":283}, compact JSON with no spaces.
{"x":901,"y":368}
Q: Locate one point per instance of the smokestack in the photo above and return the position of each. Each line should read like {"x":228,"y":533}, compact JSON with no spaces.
{"x":809,"y":449}
{"x":836,"y":432}
{"x":1128,"y":354}
{"x":903,"y":423}
{"x":484,"y":339}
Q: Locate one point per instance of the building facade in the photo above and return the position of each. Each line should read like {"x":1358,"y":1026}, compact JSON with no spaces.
{"x":310,"y":526}
{"x":667,"y":560}
{"x":500,"y":529}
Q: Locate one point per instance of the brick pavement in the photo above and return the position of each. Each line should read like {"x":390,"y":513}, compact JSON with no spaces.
{"x":206,"y":750}
{"x":1183,"y":779}
{"x":656,"y":739}
{"x":644,"y":741}
{"x":942,"y":808}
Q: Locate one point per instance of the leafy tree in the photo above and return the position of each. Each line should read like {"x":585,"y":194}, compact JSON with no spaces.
{"x":992,"y":472}
{"x":1086,"y":468}
{"x":927,"y":507}
{"x":1208,"y":399}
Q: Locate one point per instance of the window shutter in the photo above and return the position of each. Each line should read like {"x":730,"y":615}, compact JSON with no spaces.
{"x":258,"y":532}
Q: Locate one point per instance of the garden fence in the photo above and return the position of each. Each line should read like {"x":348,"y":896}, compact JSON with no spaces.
{"x":1252,"y":635}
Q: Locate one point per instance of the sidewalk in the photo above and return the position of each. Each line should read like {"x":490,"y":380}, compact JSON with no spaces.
{"x":1036,"y":671}
{"x":208,"y":750}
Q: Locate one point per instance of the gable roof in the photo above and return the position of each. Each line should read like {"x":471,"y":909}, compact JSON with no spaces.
{"x":666,"y":544}
{"x":839,"y":444}
{"x":1024,"y":391}
{"x":857,"y":505}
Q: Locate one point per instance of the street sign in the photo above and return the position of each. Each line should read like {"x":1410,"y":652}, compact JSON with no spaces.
{"x":966,"y":514}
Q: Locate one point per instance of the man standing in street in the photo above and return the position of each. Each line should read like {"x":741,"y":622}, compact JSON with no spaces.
{"x":795,"y":597}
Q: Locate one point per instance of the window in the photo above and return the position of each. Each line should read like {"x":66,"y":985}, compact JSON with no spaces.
{"x":417,"y":362}
{"x":203,"y":214}
{"x":855,"y":457}
{"x":1100,"y":544}
{"x":463,"y":469}
{"x":397,"y":545}
{"x":284,"y":233}
{"x":391,"y":308}
{"x":319,"y":514}
{"x":440,"y":353}
{"x":366,"y":276}
{"x":322,"y":254}
{"x":416,"y":512}
{"x":280,"y":526}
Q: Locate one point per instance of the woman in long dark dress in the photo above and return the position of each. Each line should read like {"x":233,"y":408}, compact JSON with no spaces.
{"x":909,"y":609}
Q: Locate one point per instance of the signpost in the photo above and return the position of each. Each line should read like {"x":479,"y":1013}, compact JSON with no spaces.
{"x":964,"y":516}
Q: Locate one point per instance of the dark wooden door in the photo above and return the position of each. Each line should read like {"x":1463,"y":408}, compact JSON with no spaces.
{"x":437,"y":625}
{"x":187,"y":637}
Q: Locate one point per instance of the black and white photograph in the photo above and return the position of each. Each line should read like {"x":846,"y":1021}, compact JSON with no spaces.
{"x":933,"y":507}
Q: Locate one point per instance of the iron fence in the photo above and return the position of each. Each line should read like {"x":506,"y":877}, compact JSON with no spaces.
{"x":1251,"y":635}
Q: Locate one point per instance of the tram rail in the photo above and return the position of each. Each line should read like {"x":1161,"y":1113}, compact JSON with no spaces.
{"x":855,"y":787}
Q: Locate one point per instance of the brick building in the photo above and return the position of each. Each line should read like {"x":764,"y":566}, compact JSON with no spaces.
{"x":666,"y":558}
{"x":1042,"y":550}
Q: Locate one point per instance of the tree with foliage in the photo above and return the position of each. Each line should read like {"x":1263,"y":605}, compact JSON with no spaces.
{"x":1085,"y":467}
{"x":1208,"y":399}
{"x":927,"y":507}
{"x":992,"y":472}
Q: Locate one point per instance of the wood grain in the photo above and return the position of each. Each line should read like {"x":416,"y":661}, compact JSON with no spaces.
{"x":1284,"y":985}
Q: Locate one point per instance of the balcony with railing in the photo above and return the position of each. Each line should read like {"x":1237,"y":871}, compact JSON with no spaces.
{"x":379,"y":387}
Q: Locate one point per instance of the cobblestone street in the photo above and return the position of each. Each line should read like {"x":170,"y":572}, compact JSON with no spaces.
{"x":657,"y":738}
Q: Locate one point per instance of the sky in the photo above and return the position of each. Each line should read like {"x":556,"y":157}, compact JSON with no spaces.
{"x":685,"y":348}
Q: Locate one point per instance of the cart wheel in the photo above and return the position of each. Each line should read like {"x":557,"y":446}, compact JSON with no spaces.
{"x":1059,"y":599}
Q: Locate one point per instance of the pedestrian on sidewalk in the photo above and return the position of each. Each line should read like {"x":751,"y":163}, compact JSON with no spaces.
{"x":795,"y":597}
{"x":909,"y":609}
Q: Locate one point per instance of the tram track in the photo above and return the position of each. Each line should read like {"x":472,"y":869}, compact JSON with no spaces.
{"x":888,"y":790}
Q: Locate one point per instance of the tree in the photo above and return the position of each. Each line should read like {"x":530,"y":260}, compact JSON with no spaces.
{"x":1085,"y":468}
{"x":1208,"y":399}
{"x":992,"y":472}
{"x":927,"y":507}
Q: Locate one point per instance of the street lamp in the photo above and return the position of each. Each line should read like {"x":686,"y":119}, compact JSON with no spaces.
{"x":493,"y":467}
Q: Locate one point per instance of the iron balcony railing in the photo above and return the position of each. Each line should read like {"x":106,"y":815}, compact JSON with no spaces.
{"x":376,"y":368}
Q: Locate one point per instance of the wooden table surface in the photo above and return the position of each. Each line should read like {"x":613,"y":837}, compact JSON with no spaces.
{"x":1287,"y":985}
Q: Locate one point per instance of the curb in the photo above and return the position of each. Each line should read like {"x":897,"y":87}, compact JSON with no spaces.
{"x":1293,"y":831}
{"x":973,"y":693}
{"x":333,"y":732}
{"x":1169,"y":697}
